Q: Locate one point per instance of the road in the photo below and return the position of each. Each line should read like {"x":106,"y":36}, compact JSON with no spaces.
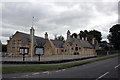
{"x":108,"y":68}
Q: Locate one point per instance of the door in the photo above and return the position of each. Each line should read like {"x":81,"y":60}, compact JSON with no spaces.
{"x":68,"y":51}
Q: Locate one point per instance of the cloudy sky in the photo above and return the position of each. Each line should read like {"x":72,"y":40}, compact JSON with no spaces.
{"x":56,"y":17}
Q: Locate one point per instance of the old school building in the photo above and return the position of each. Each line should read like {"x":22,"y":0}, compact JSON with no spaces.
{"x":72,"y":46}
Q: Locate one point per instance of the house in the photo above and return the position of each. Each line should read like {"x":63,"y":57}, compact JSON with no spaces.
{"x":49,"y":47}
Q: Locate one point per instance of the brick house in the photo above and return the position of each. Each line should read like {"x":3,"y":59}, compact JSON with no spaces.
{"x":71,"y":46}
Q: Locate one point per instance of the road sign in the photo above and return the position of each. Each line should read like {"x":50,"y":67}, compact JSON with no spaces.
{"x":23,"y":50}
{"x":38,"y":51}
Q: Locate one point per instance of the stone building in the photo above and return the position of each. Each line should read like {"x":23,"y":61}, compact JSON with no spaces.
{"x":31,"y":42}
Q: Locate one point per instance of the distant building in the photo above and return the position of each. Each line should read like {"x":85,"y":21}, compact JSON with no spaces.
{"x":71,"y":46}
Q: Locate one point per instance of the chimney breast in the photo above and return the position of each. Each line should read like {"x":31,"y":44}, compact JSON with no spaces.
{"x":46,"y":35}
{"x":68,"y":35}
{"x":78,"y":36}
{"x":93,"y":41}
{"x":86,"y":38}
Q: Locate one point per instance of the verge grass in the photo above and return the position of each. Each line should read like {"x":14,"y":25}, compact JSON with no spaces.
{"x":52,"y":67}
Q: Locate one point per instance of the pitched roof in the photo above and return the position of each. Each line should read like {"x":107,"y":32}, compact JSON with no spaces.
{"x":93,"y":44}
{"x":83,"y":43}
{"x":25,"y":37}
{"x":57,"y":43}
{"x":39,"y":41}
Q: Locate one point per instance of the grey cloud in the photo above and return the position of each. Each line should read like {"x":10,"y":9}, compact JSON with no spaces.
{"x":18,"y":16}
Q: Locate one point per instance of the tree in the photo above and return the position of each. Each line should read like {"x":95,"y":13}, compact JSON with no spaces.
{"x":114,"y":36}
{"x":91,"y":34}
{"x":61,"y":38}
{"x":74,"y":35}
{"x":96,"y":34}
{"x":4,"y":48}
{"x":81,"y":34}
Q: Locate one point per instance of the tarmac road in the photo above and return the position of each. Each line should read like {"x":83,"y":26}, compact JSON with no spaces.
{"x":109,"y":68}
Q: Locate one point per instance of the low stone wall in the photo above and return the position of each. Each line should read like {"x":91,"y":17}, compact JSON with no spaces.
{"x":46,"y":58}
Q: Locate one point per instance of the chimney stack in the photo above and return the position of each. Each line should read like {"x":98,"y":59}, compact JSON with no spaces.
{"x":93,"y":41}
{"x":78,"y":36}
{"x":32,"y":31}
{"x":82,"y":38}
{"x":68,"y":35}
{"x":46,"y":35}
{"x":86,"y":38}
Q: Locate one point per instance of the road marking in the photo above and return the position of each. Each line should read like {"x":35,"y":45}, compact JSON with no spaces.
{"x":117,"y":66}
{"x":36,"y":73}
{"x":63,"y":69}
{"x":26,"y":75}
{"x":102,"y":75}
{"x":46,"y":72}
{"x":58,"y":71}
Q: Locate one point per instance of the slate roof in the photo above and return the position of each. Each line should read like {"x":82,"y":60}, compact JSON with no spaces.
{"x":94,"y":44}
{"x":25,"y":37}
{"x":39,"y":41}
{"x":83,"y":43}
{"x":57,"y":43}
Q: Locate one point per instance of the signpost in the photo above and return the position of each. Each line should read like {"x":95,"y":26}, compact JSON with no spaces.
{"x":23,"y":51}
{"x":39,"y":52}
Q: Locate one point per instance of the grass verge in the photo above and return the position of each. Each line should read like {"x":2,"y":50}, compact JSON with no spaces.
{"x":52,"y":67}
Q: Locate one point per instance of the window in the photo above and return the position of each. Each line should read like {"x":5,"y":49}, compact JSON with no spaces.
{"x":65,"y":50}
{"x":76,"y":44}
{"x":76,"y":48}
{"x":19,"y":45}
{"x":13,"y":45}
{"x":62,"y":50}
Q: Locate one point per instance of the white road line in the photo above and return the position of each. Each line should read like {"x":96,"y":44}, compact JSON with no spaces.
{"x":26,"y":75}
{"x":46,"y":72}
{"x":117,"y":66}
{"x":63,"y":69}
{"x":102,"y":75}
{"x":36,"y":73}
{"x":58,"y":71}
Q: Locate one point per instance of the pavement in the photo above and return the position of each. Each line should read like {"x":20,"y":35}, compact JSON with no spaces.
{"x":98,"y":70}
{"x":46,"y":58}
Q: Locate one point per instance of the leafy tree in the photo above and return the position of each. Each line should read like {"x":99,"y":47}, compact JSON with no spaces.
{"x":96,"y":34}
{"x":81,"y":34}
{"x":74,"y":35}
{"x":114,"y":36}
{"x":4,"y":48}
{"x":91,"y":34}
{"x":61,"y":38}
